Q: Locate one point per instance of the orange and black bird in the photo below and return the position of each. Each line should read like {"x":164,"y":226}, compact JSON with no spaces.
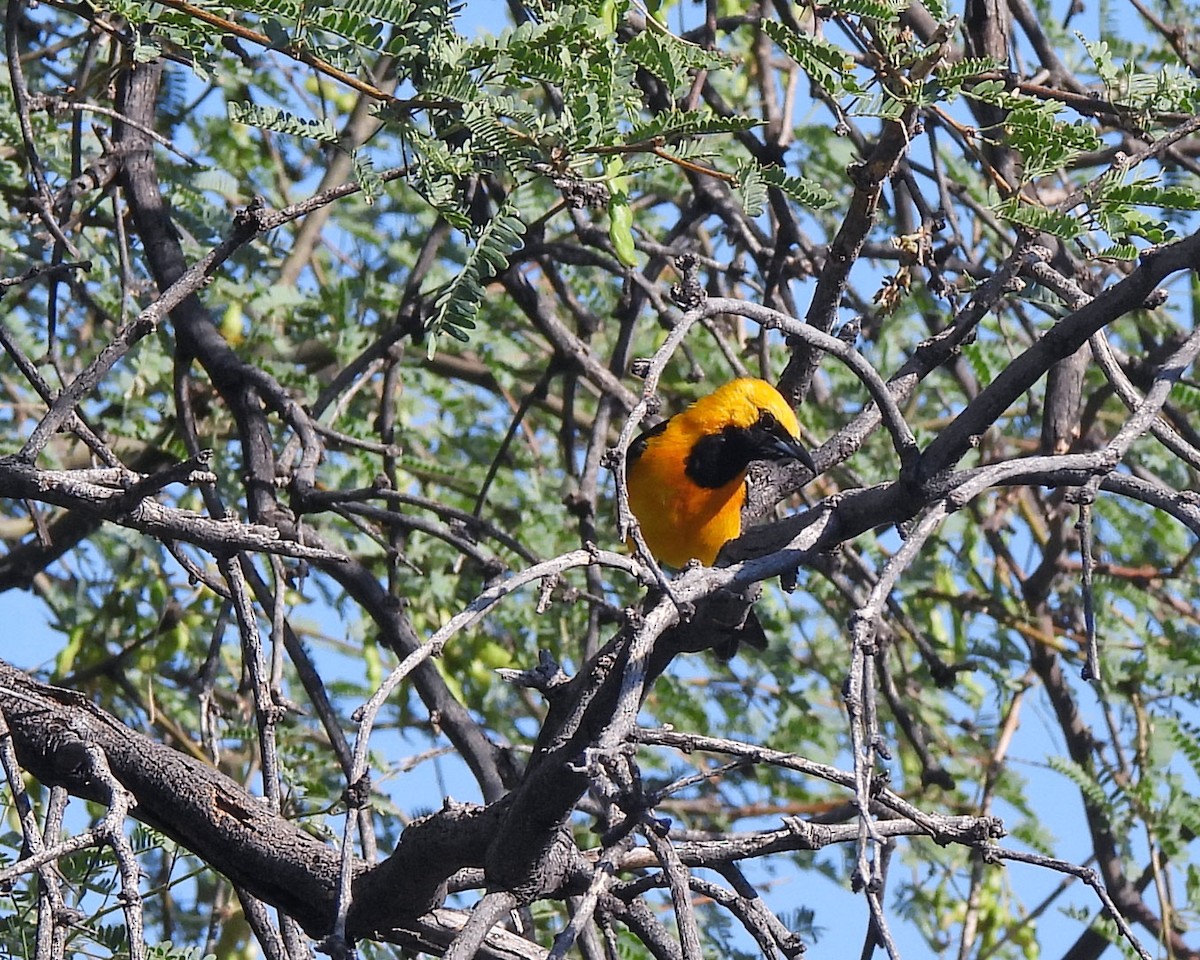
{"x":687,"y":475}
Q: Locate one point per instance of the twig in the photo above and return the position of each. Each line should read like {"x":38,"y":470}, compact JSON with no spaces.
{"x":1102,"y":352}
{"x":268,"y":937}
{"x":40,"y":857}
{"x":677,"y":882}
{"x":366,"y":714}
{"x":1065,"y":338}
{"x":266,"y":712}
{"x":370,"y":446}
{"x":53,"y":925}
{"x":1091,"y":666}
{"x":994,"y":854}
{"x":1147,"y":411}
{"x":298,"y":52}
{"x":585,"y":908}
{"x":880,"y":927}
{"x":50,"y":103}
{"x":798,"y":834}
{"x":537,"y":392}
{"x":14,"y":10}
{"x":65,"y":488}
{"x":112,"y":830}
{"x":475,"y":525}
{"x":949,"y":828}
{"x":75,"y":422}
{"x":860,"y":694}
{"x":44,"y":269}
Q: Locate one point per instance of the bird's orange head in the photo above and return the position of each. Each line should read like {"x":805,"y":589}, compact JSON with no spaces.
{"x":756,"y":412}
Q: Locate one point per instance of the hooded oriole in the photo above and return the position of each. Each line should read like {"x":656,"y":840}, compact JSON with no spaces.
{"x":687,"y":475}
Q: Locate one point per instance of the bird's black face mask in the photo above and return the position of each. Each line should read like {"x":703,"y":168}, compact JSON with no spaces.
{"x":717,"y":459}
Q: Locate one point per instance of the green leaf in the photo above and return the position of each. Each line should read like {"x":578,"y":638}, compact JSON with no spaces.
{"x":1061,"y":225}
{"x":954,"y":75}
{"x":751,"y":189}
{"x":1123,"y":221}
{"x":458,"y":302}
{"x":669,"y":58}
{"x":368,"y":179}
{"x":882,"y":10}
{"x":1082,"y":779}
{"x":882,"y":105}
{"x":828,"y":65}
{"x":938,"y":9}
{"x":1118,"y":251}
{"x":979,"y":356}
{"x":620,"y":228}
{"x":1145,"y":193}
{"x":674,"y":125}
{"x":804,"y":191}
{"x":273,"y":118}
{"x":1101,"y":56}
{"x":352,"y":26}
{"x":1186,"y":737}
{"x":285,"y":11}
{"x":396,"y":12}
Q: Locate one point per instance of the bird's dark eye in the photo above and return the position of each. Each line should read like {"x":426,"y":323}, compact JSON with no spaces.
{"x":767,"y":420}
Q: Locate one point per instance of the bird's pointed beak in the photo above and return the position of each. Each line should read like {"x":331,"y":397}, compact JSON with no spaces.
{"x":789,"y":448}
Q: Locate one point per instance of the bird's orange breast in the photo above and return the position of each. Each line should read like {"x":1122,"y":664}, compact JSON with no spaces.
{"x":682,"y":521}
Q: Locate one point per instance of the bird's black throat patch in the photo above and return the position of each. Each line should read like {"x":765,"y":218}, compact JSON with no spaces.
{"x":721,"y":457}
{"x":718,"y":458}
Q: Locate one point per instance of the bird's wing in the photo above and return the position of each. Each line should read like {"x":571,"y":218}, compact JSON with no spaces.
{"x":638,"y":447}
